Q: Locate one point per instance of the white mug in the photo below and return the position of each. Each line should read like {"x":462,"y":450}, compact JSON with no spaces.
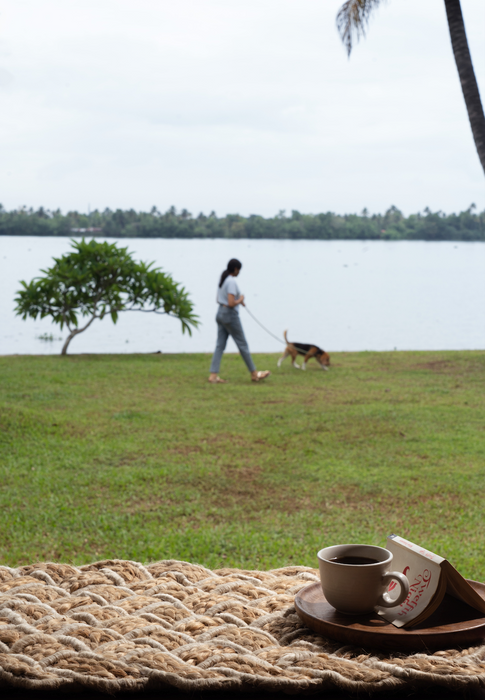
{"x":355,"y":578}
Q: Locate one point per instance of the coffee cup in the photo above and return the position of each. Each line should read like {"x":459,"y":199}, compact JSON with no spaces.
{"x":355,"y":578}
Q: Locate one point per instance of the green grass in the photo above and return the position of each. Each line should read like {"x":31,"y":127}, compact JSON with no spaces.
{"x":139,"y":457}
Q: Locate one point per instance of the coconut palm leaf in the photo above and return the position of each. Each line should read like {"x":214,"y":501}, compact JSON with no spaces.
{"x":352,"y":20}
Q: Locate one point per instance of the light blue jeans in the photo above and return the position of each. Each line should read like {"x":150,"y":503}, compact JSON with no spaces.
{"x":229,"y":324}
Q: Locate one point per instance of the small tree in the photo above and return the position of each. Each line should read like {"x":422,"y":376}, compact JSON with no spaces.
{"x":97,"y":279}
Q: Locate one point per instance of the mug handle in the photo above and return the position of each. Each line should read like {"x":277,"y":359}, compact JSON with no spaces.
{"x":385,"y":601}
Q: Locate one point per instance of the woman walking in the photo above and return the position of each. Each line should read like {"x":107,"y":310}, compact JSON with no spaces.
{"x":229,"y":324}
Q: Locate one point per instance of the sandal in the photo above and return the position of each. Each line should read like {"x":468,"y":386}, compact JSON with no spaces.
{"x":260,"y":375}
{"x":217,"y":380}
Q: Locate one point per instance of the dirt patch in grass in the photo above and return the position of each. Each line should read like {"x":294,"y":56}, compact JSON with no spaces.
{"x":237,"y":441}
{"x":220,"y":445}
{"x":183,"y":450}
{"x":243,"y":448}
{"x":441,"y":366}
{"x":123,"y":460}
{"x":246,"y":489}
{"x":152,"y":504}
{"x":243,"y":491}
{"x":246,"y":475}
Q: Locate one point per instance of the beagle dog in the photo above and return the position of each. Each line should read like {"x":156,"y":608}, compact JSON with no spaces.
{"x":309,"y":351}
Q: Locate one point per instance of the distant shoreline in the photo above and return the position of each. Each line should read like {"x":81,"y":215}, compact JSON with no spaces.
{"x":221,"y":238}
{"x":468,"y":225}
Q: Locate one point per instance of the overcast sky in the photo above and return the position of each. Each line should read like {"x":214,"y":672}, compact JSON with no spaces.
{"x":248,"y":106}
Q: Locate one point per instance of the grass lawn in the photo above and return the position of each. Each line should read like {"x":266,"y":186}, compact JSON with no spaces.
{"x":138,"y":457}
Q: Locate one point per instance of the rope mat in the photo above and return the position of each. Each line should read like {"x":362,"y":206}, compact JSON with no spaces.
{"x":118,"y":625}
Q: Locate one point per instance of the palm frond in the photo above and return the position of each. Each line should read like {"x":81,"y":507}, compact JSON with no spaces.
{"x":352,"y":20}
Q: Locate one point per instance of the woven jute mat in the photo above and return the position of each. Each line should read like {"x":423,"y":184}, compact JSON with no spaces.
{"x":116,"y":625}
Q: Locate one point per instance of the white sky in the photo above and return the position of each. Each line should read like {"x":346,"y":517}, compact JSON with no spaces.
{"x":238,"y":106}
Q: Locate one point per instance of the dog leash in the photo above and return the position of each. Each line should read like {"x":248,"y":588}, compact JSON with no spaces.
{"x":268,"y":331}
{"x":264,"y":327}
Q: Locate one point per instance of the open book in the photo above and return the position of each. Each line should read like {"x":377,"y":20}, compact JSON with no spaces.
{"x":430,"y":577}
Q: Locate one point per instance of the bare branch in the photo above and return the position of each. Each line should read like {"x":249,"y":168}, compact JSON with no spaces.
{"x":147,"y":311}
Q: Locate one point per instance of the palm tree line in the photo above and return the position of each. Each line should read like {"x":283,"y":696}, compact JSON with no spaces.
{"x":467,"y":225}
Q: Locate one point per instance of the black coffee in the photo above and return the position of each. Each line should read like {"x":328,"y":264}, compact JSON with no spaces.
{"x":353,"y":560}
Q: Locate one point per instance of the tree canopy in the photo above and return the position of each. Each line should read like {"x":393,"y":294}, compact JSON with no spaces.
{"x":98,"y":279}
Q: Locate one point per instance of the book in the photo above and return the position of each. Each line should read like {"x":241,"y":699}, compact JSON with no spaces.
{"x":430,"y":578}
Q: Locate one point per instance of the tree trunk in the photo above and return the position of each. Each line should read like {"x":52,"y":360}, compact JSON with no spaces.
{"x":71,"y":335}
{"x":68,"y":340}
{"x":467,"y":75}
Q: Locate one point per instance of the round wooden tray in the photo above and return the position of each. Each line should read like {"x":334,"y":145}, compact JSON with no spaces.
{"x":453,"y":624}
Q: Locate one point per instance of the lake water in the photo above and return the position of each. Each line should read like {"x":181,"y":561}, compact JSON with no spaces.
{"x":341,"y":295}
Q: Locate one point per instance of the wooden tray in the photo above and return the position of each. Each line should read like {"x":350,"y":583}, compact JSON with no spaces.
{"x":453,"y":624}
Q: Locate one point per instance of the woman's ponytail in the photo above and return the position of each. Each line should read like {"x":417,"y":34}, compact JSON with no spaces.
{"x":232,"y":265}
